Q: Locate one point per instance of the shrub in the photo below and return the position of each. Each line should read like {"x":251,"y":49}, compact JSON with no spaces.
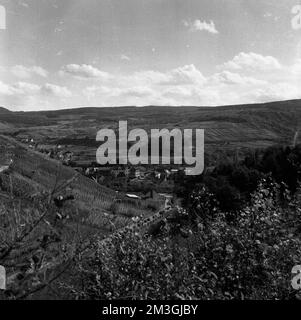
{"x":250,"y":258}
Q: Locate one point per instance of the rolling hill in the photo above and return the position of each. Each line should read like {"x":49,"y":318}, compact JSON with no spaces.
{"x":26,"y":175}
{"x":227,"y":128}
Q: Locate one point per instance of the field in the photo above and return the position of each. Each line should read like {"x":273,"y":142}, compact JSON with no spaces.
{"x":227,"y":129}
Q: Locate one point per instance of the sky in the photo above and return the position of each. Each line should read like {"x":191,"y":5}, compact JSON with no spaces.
{"x":57,"y":54}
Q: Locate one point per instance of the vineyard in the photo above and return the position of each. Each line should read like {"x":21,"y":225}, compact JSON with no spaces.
{"x":31,"y":173}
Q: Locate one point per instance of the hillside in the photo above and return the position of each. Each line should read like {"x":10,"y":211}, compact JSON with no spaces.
{"x":97,"y":221}
{"x":31,"y":173}
{"x":227,"y":128}
{"x":37,"y":229}
{"x":4,"y":110}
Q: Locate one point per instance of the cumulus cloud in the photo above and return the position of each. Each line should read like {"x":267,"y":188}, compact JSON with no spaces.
{"x":279,"y":91}
{"x":185,"y":85}
{"x":185,"y":75}
{"x":189,"y":96}
{"x":28,"y":89}
{"x":83,"y":71}
{"x":188,"y":74}
{"x":296,"y":68}
{"x":19,"y":88}
{"x":23,"y":72}
{"x":30,"y":96}
{"x":227,"y":77}
{"x":57,"y":91}
{"x":252,"y":62}
{"x":6,"y":89}
{"x":199,"y":25}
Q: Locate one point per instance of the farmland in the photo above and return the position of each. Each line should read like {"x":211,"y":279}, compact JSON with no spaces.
{"x":227,"y":128}
{"x":72,"y":209}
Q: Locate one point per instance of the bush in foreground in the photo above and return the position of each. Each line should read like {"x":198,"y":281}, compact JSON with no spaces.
{"x":248,"y":258}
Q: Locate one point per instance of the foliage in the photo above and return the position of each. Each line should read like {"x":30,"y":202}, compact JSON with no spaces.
{"x":233,"y":182}
{"x":35,"y":248}
{"x":248,"y":258}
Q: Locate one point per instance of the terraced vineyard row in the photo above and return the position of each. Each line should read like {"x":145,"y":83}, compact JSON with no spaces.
{"x":32,"y":172}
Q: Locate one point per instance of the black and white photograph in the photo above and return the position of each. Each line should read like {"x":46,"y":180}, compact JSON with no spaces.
{"x":150,"y":150}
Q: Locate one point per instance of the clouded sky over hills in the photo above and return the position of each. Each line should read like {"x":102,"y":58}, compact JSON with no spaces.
{"x":57,"y":54}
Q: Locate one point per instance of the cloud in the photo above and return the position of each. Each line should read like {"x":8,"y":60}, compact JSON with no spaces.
{"x":181,"y":86}
{"x":83,"y":71}
{"x":199,"y":25}
{"x":19,"y":88}
{"x":23,"y":72}
{"x":276,"y":92}
{"x":30,"y":96}
{"x":125,"y":57}
{"x":188,"y":74}
{"x":55,"y":90}
{"x":185,"y":75}
{"x":189,"y":96}
{"x":186,"y":85}
{"x":296,"y":68}
{"x":26,"y":88}
{"x":146,"y":76}
{"x":6,"y":90}
{"x":230,"y":78}
{"x":30,"y":89}
{"x":252,"y":62}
